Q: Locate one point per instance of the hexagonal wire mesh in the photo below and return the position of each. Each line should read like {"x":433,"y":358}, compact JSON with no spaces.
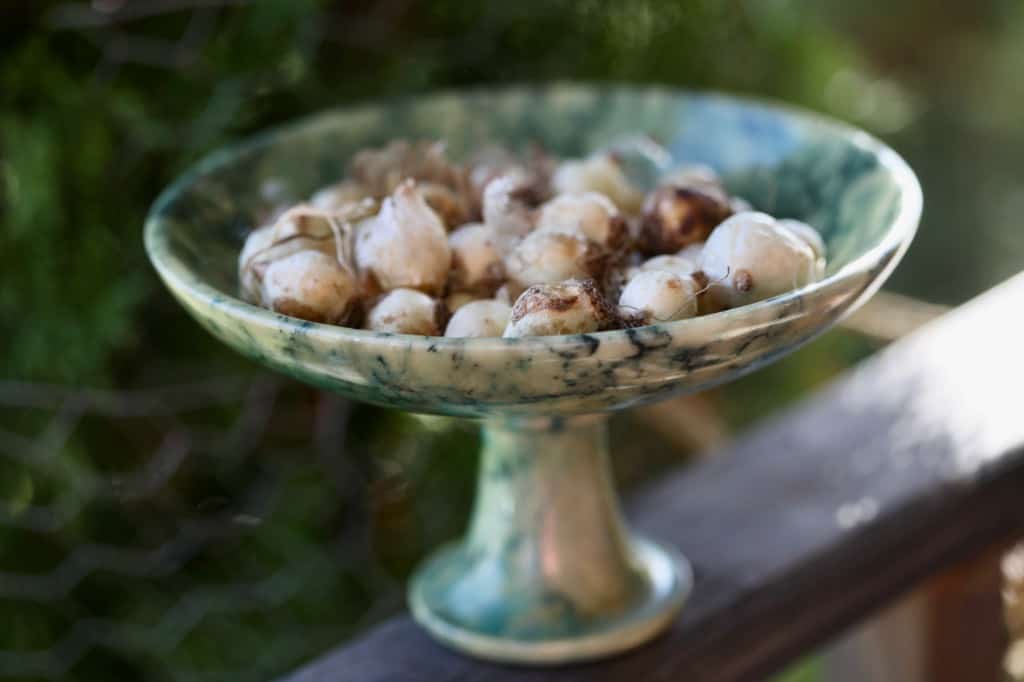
{"x":141,"y":535}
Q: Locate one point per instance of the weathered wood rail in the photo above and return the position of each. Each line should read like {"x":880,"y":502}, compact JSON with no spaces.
{"x":911,"y":463}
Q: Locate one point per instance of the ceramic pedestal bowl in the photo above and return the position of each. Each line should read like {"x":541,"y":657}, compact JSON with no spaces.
{"x":548,"y":572}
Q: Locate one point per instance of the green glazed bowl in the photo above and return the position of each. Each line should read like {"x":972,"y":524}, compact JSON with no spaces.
{"x":547,"y":572}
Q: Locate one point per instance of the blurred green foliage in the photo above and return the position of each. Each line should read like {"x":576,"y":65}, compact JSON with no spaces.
{"x":103,"y":103}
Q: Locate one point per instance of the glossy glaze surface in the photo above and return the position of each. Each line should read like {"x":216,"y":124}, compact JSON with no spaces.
{"x":548,"y":572}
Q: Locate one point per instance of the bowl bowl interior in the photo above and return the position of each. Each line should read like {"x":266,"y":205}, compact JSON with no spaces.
{"x":859,"y":195}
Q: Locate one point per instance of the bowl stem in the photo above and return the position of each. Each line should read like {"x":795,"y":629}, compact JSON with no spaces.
{"x":547,"y":572}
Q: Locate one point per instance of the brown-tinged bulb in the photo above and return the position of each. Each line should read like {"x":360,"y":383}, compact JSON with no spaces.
{"x":552,"y":257}
{"x":570,"y":307}
{"x":509,"y":201}
{"x":590,"y":215}
{"x":676,"y":217}
{"x":448,"y":204}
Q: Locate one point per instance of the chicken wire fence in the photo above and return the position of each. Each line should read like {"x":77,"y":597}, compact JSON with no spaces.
{"x":200,"y":532}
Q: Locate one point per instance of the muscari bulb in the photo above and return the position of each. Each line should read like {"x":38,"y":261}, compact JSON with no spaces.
{"x":300,"y":228}
{"x":570,"y":307}
{"x":750,"y":257}
{"x":477,"y":264}
{"x":479,"y":318}
{"x":311,"y":285}
{"x":405,"y":245}
{"x":591,"y":215}
{"x":679,"y":265}
{"x":598,"y":173}
{"x":550,"y":257}
{"x":508,"y":202}
{"x":811,"y":237}
{"x":675,"y":217}
{"x":660,"y":296}
{"x":406,"y":311}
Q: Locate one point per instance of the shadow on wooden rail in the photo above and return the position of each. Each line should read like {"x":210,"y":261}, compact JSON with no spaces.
{"x":909,"y":464}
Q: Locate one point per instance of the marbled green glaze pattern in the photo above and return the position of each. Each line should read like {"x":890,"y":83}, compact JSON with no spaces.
{"x":547,"y":572}
{"x":544,"y":490}
{"x":860,"y":195}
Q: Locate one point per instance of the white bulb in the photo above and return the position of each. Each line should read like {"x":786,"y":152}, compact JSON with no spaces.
{"x":812,"y":238}
{"x":479,"y":318}
{"x":405,"y":245}
{"x":571,"y":307}
{"x":749,"y":257}
{"x":678,"y":265}
{"x":591,"y":215}
{"x":406,"y":311}
{"x":660,"y":296}
{"x":300,"y":228}
{"x":507,"y":206}
{"x":548,"y":258}
{"x":809,"y":235}
{"x":310,"y":285}
{"x":599,"y":173}
{"x":477,"y":263}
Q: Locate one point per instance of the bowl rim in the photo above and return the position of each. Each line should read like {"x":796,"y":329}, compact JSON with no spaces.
{"x":181,"y":278}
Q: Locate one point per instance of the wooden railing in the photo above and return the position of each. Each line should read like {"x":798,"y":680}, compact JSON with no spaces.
{"x":908,"y":465}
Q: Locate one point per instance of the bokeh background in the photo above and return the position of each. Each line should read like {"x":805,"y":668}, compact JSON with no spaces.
{"x":169,"y":511}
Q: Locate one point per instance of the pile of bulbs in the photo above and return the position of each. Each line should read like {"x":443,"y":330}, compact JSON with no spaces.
{"x":413,"y":243}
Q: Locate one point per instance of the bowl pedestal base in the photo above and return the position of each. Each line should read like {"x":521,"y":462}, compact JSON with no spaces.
{"x":548,"y":573}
